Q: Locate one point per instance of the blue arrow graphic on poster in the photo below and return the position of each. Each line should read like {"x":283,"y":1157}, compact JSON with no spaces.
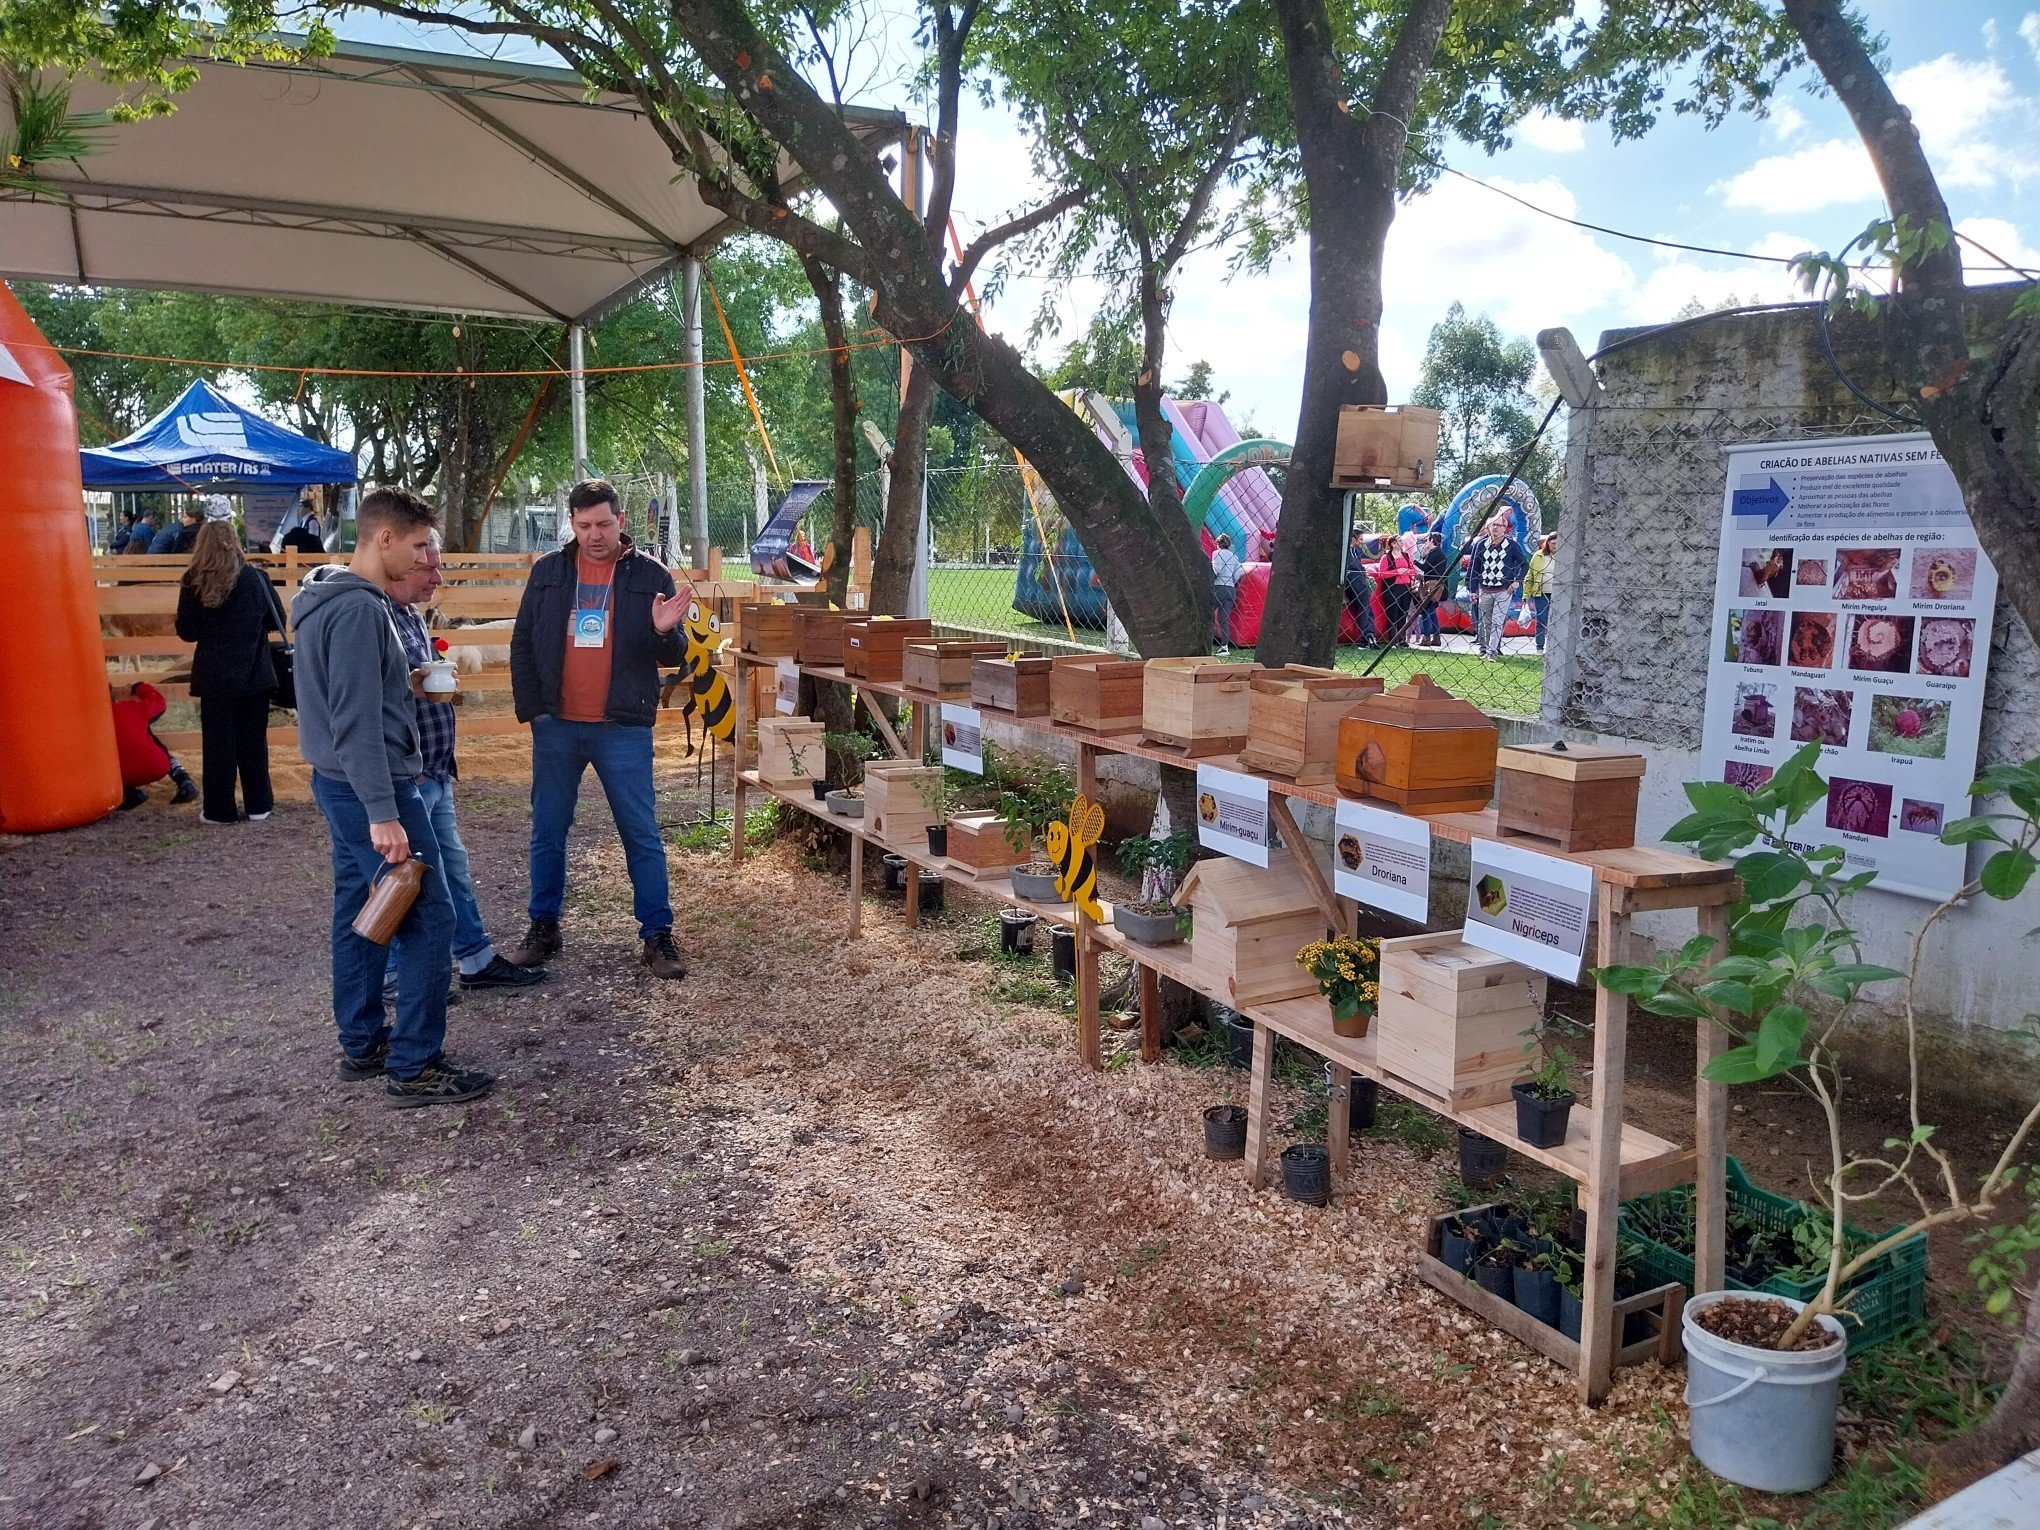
{"x":1769,"y":503}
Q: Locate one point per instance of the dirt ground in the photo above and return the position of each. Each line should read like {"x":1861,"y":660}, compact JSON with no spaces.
{"x":830,"y":1234}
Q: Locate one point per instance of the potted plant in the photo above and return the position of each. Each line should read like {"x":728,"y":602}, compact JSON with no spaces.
{"x":1348,"y":973}
{"x":1225,"y":1130}
{"x":1764,"y":1371}
{"x":1545,"y":1099}
{"x":822,"y":786}
{"x":1481,"y":1160}
{"x":1150,"y":917}
{"x":1494,"y":1267}
{"x":938,"y":797}
{"x":1307,"y":1173}
{"x":847,"y":801}
{"x":1535,"y":1288}
{"x":1032,"y":795}
{"x":1569,"y":1273}
{"x":1239,"y":1037}
{"x":1016,"y":932}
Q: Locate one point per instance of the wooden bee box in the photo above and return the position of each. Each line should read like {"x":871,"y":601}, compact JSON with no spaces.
{"x":978,"y":848}
{"x":1019,"y":686}
{"x":1420,"y":747}
{"x":874,"y":648}
{"x":943,"y":669}
{"x":1247,"y":924}
{"x":1452,"y":1018}
{"x":1293,"y":721}
{"x":1381,"y":447}
{"x":1578,"y":796}
{"x":821,"y":636}
{"x":1198,"y":705}
{"x":769,"y":630}
{"x":1101,"y":694}
{"x":790,"y":752}
{"x":897,"y":794}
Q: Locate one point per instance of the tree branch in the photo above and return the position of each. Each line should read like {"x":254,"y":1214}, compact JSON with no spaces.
{"x":975,"y":252}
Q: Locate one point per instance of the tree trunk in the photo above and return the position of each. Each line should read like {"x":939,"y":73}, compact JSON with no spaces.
{"x":1157,"y":448}
{"x":892,"y":562}
{"x":1350,"y":164}
{"x":2013,"y":1427}
{"x":828,"y":289}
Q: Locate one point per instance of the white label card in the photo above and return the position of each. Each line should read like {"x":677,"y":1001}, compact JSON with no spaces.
{"x":787,"y":699}
{"x":1232,"y":814}
{"x":1382,"y":859}
{"x":1534,"y":909}
{"x":963,"y":739}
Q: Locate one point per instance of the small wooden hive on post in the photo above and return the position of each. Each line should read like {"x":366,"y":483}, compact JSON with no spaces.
{"x":1097,"y":692}
{"x":1293,"y":721}
{"x":1452,"y":1018}
{"x":1578,"y":796}
{"x":1018,"y":685}
{"x":790,"y":751}
{"x":1247,"y":924}
{"x":978,"y":846}
{"x":874,"y":647}
{"x":943,"y":668}
{"x":897,"y":801}
{"x":1420,"y":747}
{"x":1379,"y":447}
{"x":1198,"y":705}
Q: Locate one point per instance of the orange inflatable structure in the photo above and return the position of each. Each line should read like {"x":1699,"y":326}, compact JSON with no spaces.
{"x":58,"y":765}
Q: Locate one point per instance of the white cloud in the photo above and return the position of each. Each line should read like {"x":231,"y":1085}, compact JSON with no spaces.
{"x":2029,"y":29}
{"x":2000,"y":238}
{"x":1960,"y":107}
{"x":1554,"y":135}
{"x":1683,"y":278}
{"x":1786,"y":120}
{"x":1819,"y":176}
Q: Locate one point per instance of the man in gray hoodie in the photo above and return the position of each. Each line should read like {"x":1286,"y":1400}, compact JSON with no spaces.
{"x":359,"y":733}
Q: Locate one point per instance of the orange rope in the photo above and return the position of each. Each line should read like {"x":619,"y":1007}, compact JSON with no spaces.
{"x":743,"y":376}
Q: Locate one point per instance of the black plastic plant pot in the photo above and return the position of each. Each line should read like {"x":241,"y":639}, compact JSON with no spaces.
{"x":1481,"y":1161}
{"x":938,"y":839}
{"x":1239,"y":1040}
{"x":1453,"y":1248}
{"x":1016,"y":931}
{"x":1362,"y":1096}
{"x":895,"y":867}
{"x":822,"y":790}
{"x":1494,"y":1279}
{"x":931,"y":893}
{"x":1307,"y":1173}
{"x":1540,"y":1122}
{"x":1062,"y":952}
{"x":1536,"y":1292}
{"x":1225,"y":1131}
{"x":1569,"y":1315}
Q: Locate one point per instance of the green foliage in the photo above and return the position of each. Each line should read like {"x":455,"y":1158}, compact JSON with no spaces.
{"x":1552,"y":1062}
{"x":1480,"y":384}
{"x":1158,"y":863}
{"x":1899,"y":243}
{"x":1033,"y":792}
{"x":1999,"y":1266}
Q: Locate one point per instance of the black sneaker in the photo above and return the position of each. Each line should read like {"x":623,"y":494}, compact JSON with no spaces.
{"x":440,"y":1084}
{"x":187,"y":791}
{"x":502,"y":974}
{"x":370,"y":1064}
{"x":663,"y":957}
{"x":540,"y":945}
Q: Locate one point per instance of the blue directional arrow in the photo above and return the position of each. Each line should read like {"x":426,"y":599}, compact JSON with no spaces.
{"x":1769,"y":503}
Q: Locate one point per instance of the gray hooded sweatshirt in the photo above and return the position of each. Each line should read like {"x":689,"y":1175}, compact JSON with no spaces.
{"x":355,"y":718}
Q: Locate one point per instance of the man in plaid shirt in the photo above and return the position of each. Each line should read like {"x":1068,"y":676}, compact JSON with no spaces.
{"x":480,"y":966}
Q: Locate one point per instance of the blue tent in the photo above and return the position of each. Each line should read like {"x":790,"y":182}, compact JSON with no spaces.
{"x":207,"y":441}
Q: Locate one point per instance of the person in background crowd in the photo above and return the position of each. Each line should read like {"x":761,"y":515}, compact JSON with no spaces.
{"x":1432,"y":569}
{"x":143,"y":759}
{"x":300,"y":529}
{"x":127,"y":531}
{"x":1537,"y":584}
{"x":473,"y":952}
{"x":597,"y":621}
{"x":800,"y":548}
{"x":359,"y":733}
{"x":1494,"y":572}
{"x":181,"y":534}
{"x":1225,"y":590}
{"x":1359,"y":589}
{"x":142,"y":535}
{"x":1397,"y":576}
{"x":226,"y":610}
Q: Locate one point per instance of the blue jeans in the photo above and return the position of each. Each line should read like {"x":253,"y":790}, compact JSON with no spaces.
{"x":424,"y":940}
{"x":1541,"y":604}
{"x":472,"y":948}
{"x":1222,"y":598}
{"x":1427,"y":621}
{"x":560,"y":753}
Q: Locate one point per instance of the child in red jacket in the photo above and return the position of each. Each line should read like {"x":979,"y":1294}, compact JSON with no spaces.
{"x":143,"y":759}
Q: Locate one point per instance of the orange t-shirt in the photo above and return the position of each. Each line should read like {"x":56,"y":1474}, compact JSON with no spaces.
{"x":584,"y":680}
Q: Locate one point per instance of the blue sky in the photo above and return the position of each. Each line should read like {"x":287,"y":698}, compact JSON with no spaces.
{"x":1969,"y":70}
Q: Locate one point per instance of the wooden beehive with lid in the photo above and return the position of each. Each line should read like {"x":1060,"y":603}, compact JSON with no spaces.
{"x":943,"y":668}
{"x":1097,"y":692}
{"x":768,"y":630}
{"x":821,"y":636}
{"x":1293,"y":721}
{"x":978,"y":847}
{"x":1197,"y":705}
{"x":874,"y":647}
{"x":1247,"y":924}
{"x":1018,"y":684}
{"x":1578,"y":796}
{"x":1419,"y":747}
{"x":1452,"y":1018}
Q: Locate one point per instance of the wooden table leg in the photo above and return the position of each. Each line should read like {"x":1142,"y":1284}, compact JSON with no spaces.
{"x":913,"y":895}
{"x":1710,"y":1141}
{"x":737,"y":765}
{"x":1150,"y":1013}
{"x":1257,"y":1107}
{"x":1090,"y":1040}
{"x":1339,"y":1124}
{"x":856,"y":885}
{"x":1599,"y":1337}
{"x":918,"y":736}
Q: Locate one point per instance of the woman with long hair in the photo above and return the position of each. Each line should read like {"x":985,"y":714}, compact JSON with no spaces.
{"x":227,"y":610}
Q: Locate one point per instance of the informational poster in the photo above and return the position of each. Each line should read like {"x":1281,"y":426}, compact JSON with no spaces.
{"x":1382,"y":859}
{"x":786,"y":697}
{"x":1232,"y":814}
{"x":1531,"y":908}
{"x":963,"y":739}
{"x":1852,"y":609}
{"x":262,"y":513}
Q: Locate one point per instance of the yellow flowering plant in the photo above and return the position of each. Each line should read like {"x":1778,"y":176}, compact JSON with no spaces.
{"x":1348,"y":972}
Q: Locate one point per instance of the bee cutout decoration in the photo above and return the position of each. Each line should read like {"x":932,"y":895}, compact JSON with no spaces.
{"x":1073,"y":846}
{"x":710,"y":692}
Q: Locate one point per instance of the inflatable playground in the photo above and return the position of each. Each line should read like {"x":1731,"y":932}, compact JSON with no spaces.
{"x":1228,"y":491}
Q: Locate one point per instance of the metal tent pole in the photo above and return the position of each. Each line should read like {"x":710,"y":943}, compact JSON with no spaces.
{"x":577,"y":387}
{"x":697,"y":416}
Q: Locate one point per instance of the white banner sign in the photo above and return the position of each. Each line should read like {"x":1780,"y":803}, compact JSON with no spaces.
{"x":963,"y":739}
{"x":1852,"y":609}
{"x":787,"y":699}
{"x":1232,"y":814}
{"x":1531,"y":908}
{"x":1383,"y":859}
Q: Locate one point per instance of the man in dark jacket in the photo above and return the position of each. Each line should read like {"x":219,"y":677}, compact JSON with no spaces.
{"x":179,"y":535}
{"x":1495,"y":565}
{"x":359,"y":733}
{"x":598,"y":620}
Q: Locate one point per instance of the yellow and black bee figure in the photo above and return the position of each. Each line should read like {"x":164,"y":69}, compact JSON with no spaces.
{"x":706,"y":693}
{"x":1073,"y":847}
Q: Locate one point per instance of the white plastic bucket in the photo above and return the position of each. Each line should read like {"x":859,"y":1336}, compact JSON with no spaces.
{"x":1762,"y":1418}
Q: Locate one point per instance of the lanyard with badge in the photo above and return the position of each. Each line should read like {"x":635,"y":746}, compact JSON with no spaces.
{"x":591,"y":623}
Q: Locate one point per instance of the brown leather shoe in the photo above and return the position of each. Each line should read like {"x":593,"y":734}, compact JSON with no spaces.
{"x":662,"y":957}
{"x":540,"y":945}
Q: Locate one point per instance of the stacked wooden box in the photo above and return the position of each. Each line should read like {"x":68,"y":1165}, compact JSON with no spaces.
{"x":943,"y":668}
{"x":898,"y":798}
{"x":1016,"y":685}
{"x":821,"y":636}
{"x":978,"y":847}
{"x":1103,"y":695}
{"x":790,"y":752}
{"x":1578,"y":796}
{"x":1247,"y":924}
{"x":874,"y":648}
{"x":1197,"y":705}
{"x":1380,"y":447}
{"x":1420,"y":747}
{"x":768,"y":630}
{"x":1452,"y":1018}
{"x":1293,"y":721}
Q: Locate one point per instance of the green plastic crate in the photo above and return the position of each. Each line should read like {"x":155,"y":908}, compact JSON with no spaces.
{"x":1884,"y":1300}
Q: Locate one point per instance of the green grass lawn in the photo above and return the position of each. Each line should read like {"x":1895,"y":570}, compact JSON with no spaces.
{"x":982,"y":599}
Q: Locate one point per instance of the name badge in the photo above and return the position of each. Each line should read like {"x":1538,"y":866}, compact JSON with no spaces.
{"x":591,"y":628}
